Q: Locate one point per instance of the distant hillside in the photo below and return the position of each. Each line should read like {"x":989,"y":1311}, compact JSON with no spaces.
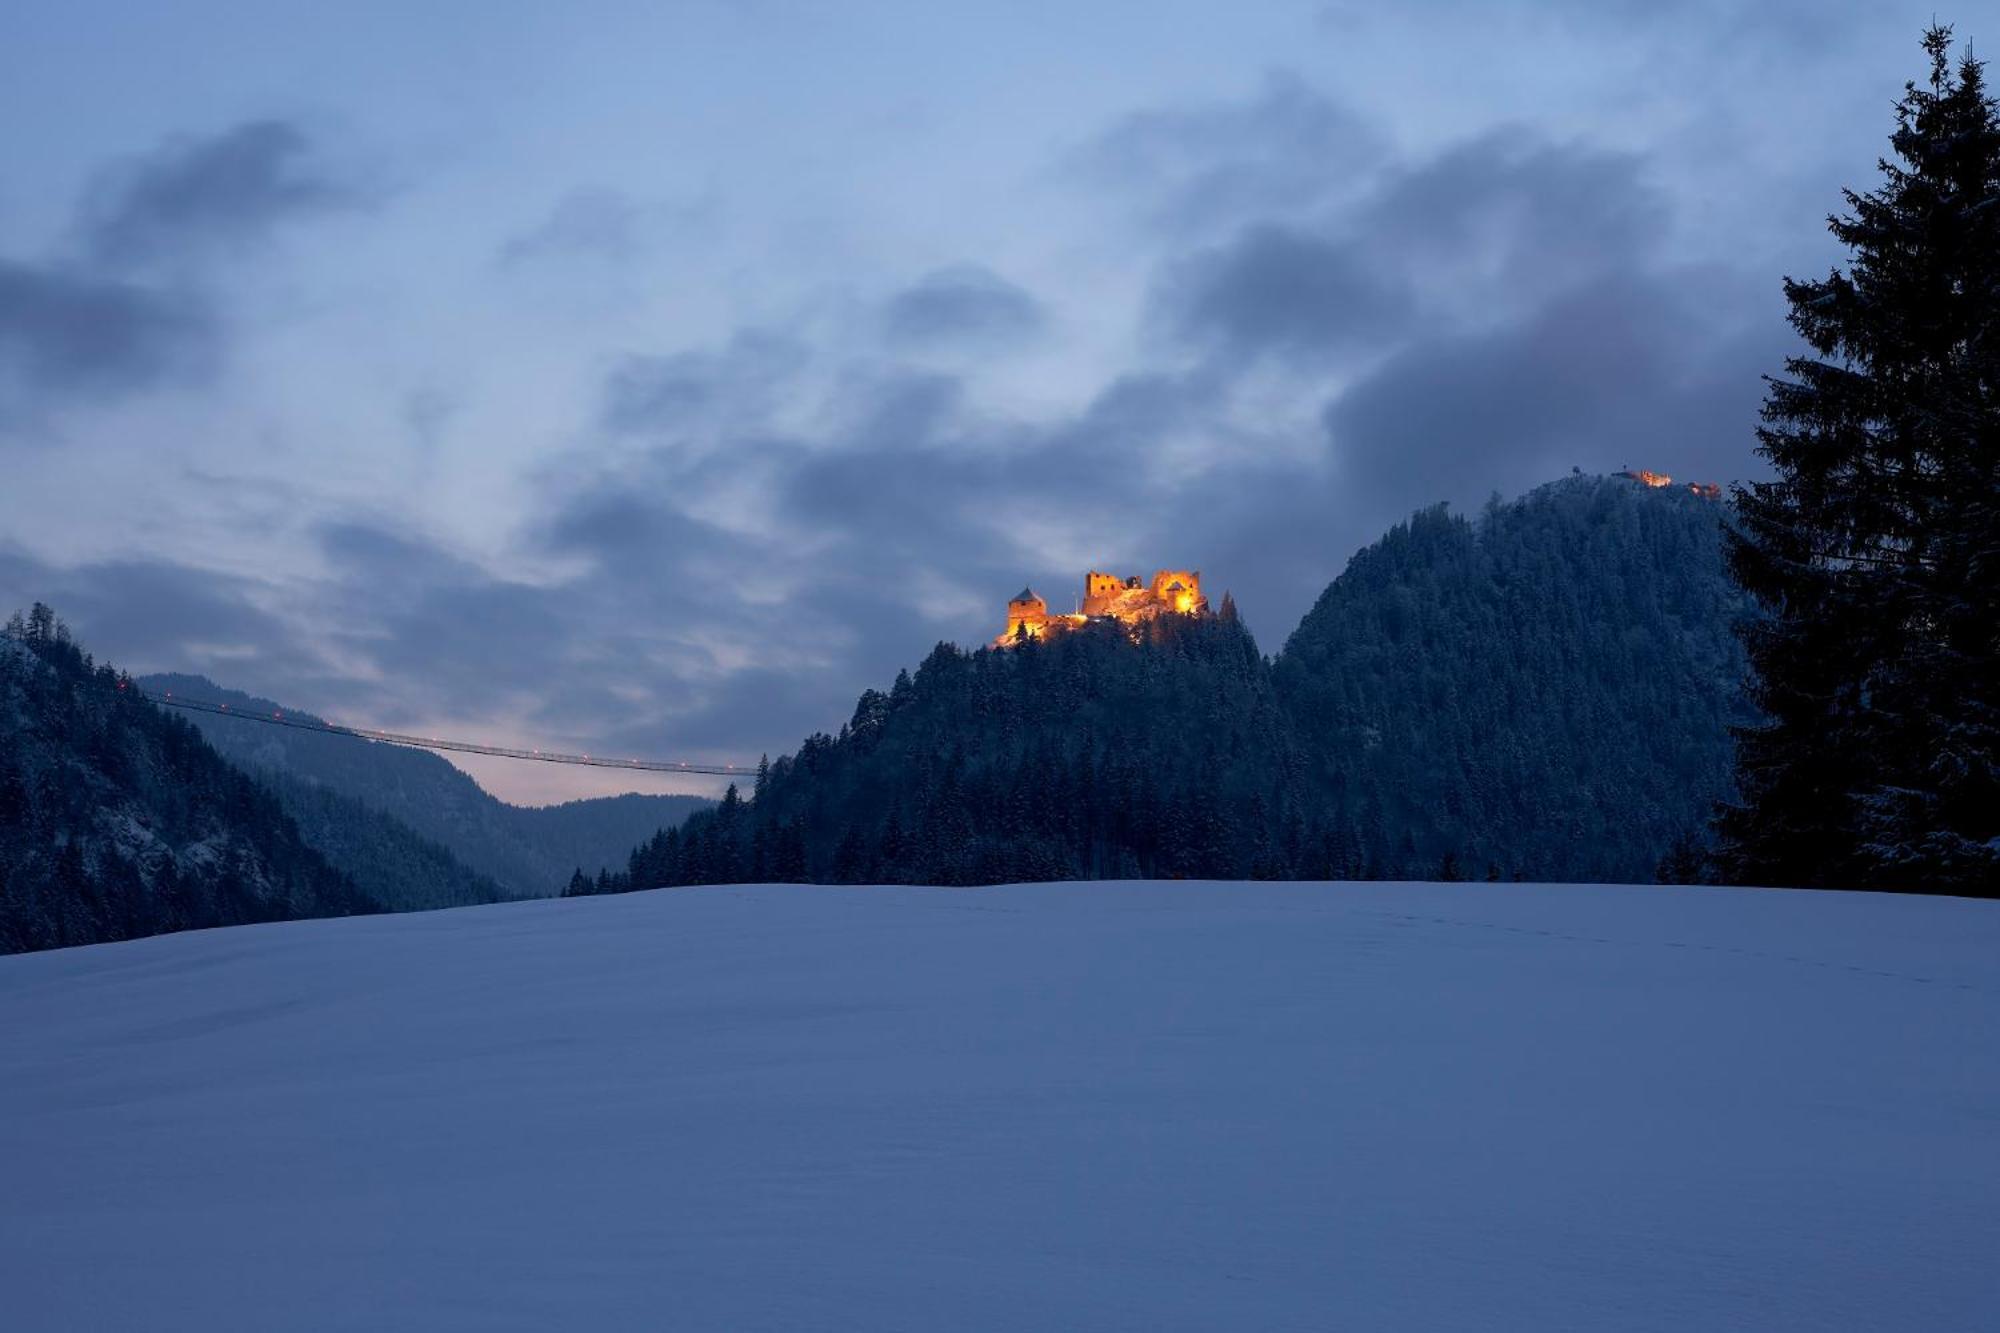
{"x":394,"y":863}
{"x":526,"y":851}
{"x":1087,"y":755}
{"x":117,"y":820}
{"x":596,"y":833}
{"x":1546,"y":689}
{"x":1544,"y":692}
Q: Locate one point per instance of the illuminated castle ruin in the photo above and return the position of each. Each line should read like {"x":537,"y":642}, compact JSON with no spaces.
{"x":1107,"y":597}
{"x":1707,"y":490}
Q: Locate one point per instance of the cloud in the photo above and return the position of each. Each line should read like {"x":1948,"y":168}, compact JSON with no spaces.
{"x":1510,"y":214}
{"x":618,"y":523}
{"x":427,"y":411}
{"x":1282,"y":152}
{"x":1637,"y":369}
{"x":685,"y":392}
{"x":194,"y":198}
{"x":1274,"y":288}
{"x":1558,"y":329}
{"x":960,"y":305}
{"x":589,"y":223}
{"x":68,"y":336}
{"x":149,"y":613}
{"x":672,"y":637}
{"x":126,"y":307}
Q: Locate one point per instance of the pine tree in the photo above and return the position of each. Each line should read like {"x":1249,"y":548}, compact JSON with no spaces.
{"x":1875,"y":552}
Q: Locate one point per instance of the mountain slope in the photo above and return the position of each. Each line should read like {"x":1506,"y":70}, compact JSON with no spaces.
{"x":528,"y":852}
{"x":1543,"y":693}
{"x":1099,"y":753}
{"x":398,"y":866}
{"x":117,"y":820}
{"x":1547,"y":689}
{"x":1168,"y":1107}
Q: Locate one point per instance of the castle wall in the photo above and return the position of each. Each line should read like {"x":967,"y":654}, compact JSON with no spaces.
{"x":1129,"y":600}
{"x":1100,"y":590}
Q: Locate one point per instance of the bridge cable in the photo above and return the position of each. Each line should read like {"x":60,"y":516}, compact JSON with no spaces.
{"x":280,"y":718}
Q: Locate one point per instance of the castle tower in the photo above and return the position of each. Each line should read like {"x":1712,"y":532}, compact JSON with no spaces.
{"x":1179,"y":590}
{"x":1025,"y":611}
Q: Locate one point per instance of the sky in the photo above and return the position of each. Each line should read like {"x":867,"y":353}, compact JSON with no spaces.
{"x":652,"y":378}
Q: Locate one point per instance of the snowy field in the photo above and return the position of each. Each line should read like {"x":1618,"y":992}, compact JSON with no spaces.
{"x":1135,"y":1106}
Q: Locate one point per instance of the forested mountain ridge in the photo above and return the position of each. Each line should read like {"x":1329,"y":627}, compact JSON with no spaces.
{"x":1544,"y":691}
{"x":400,"y":867}
{"x":117,"y":820}
{"x":1108,"y":752}
{"x":525,"y":851}
{"x":1547,"y":688}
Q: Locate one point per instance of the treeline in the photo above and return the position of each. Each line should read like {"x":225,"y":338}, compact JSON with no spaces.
{"x":117,"y":820}
{"x":1545,"y":692}
{"x":1549,"y":688}
{"x":1086,"y":756}
{"x":398,"y":867}
{"x":1083,"y":757}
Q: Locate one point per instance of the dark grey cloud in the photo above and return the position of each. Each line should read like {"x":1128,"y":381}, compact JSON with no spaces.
{"x":133,"y":305}
{"x":453,"y":637}
{"x":896,"y":406}
{"x":625,"y":522}
{"x":737,"y":384}
{"x":1276,"y":288}
{"x":153,"y":614}
{"x":1558,"y":330}
{"x":1284,"y":151}
{"x":962,"y":304}
{"x":668,"y":600}
{"x":957,"y":502}
{"x":68,"y":335}
{"x":1481,"y":232}
{"x":1513,"y":213}
{"x":198,"y":197}
{"x":1660,"y":370}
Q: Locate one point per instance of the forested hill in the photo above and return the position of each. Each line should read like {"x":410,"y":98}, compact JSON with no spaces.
{"x":117,"y":820}
{"x":323,"y":778}
{"x":1547,"y":689}
{"x":1543,"y":692}
{"x":1088,"y":755}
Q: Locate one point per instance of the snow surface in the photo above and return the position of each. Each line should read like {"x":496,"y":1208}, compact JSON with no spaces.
{"x":1108,"y":1106}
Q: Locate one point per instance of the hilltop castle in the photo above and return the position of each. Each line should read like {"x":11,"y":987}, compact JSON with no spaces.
{"x":1707,"y":490}
{"x":1107,"y":597}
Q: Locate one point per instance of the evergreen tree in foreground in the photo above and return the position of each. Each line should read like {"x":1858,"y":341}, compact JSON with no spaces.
{"x":1875,"y":552}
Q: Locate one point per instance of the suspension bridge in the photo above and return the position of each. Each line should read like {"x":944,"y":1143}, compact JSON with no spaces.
{"x":299,"y":722}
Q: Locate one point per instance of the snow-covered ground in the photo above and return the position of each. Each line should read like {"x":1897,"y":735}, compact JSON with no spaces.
{"x":1112,"y":1106}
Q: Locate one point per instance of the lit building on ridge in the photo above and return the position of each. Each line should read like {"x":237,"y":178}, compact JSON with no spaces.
{"x":1108,"y":597}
